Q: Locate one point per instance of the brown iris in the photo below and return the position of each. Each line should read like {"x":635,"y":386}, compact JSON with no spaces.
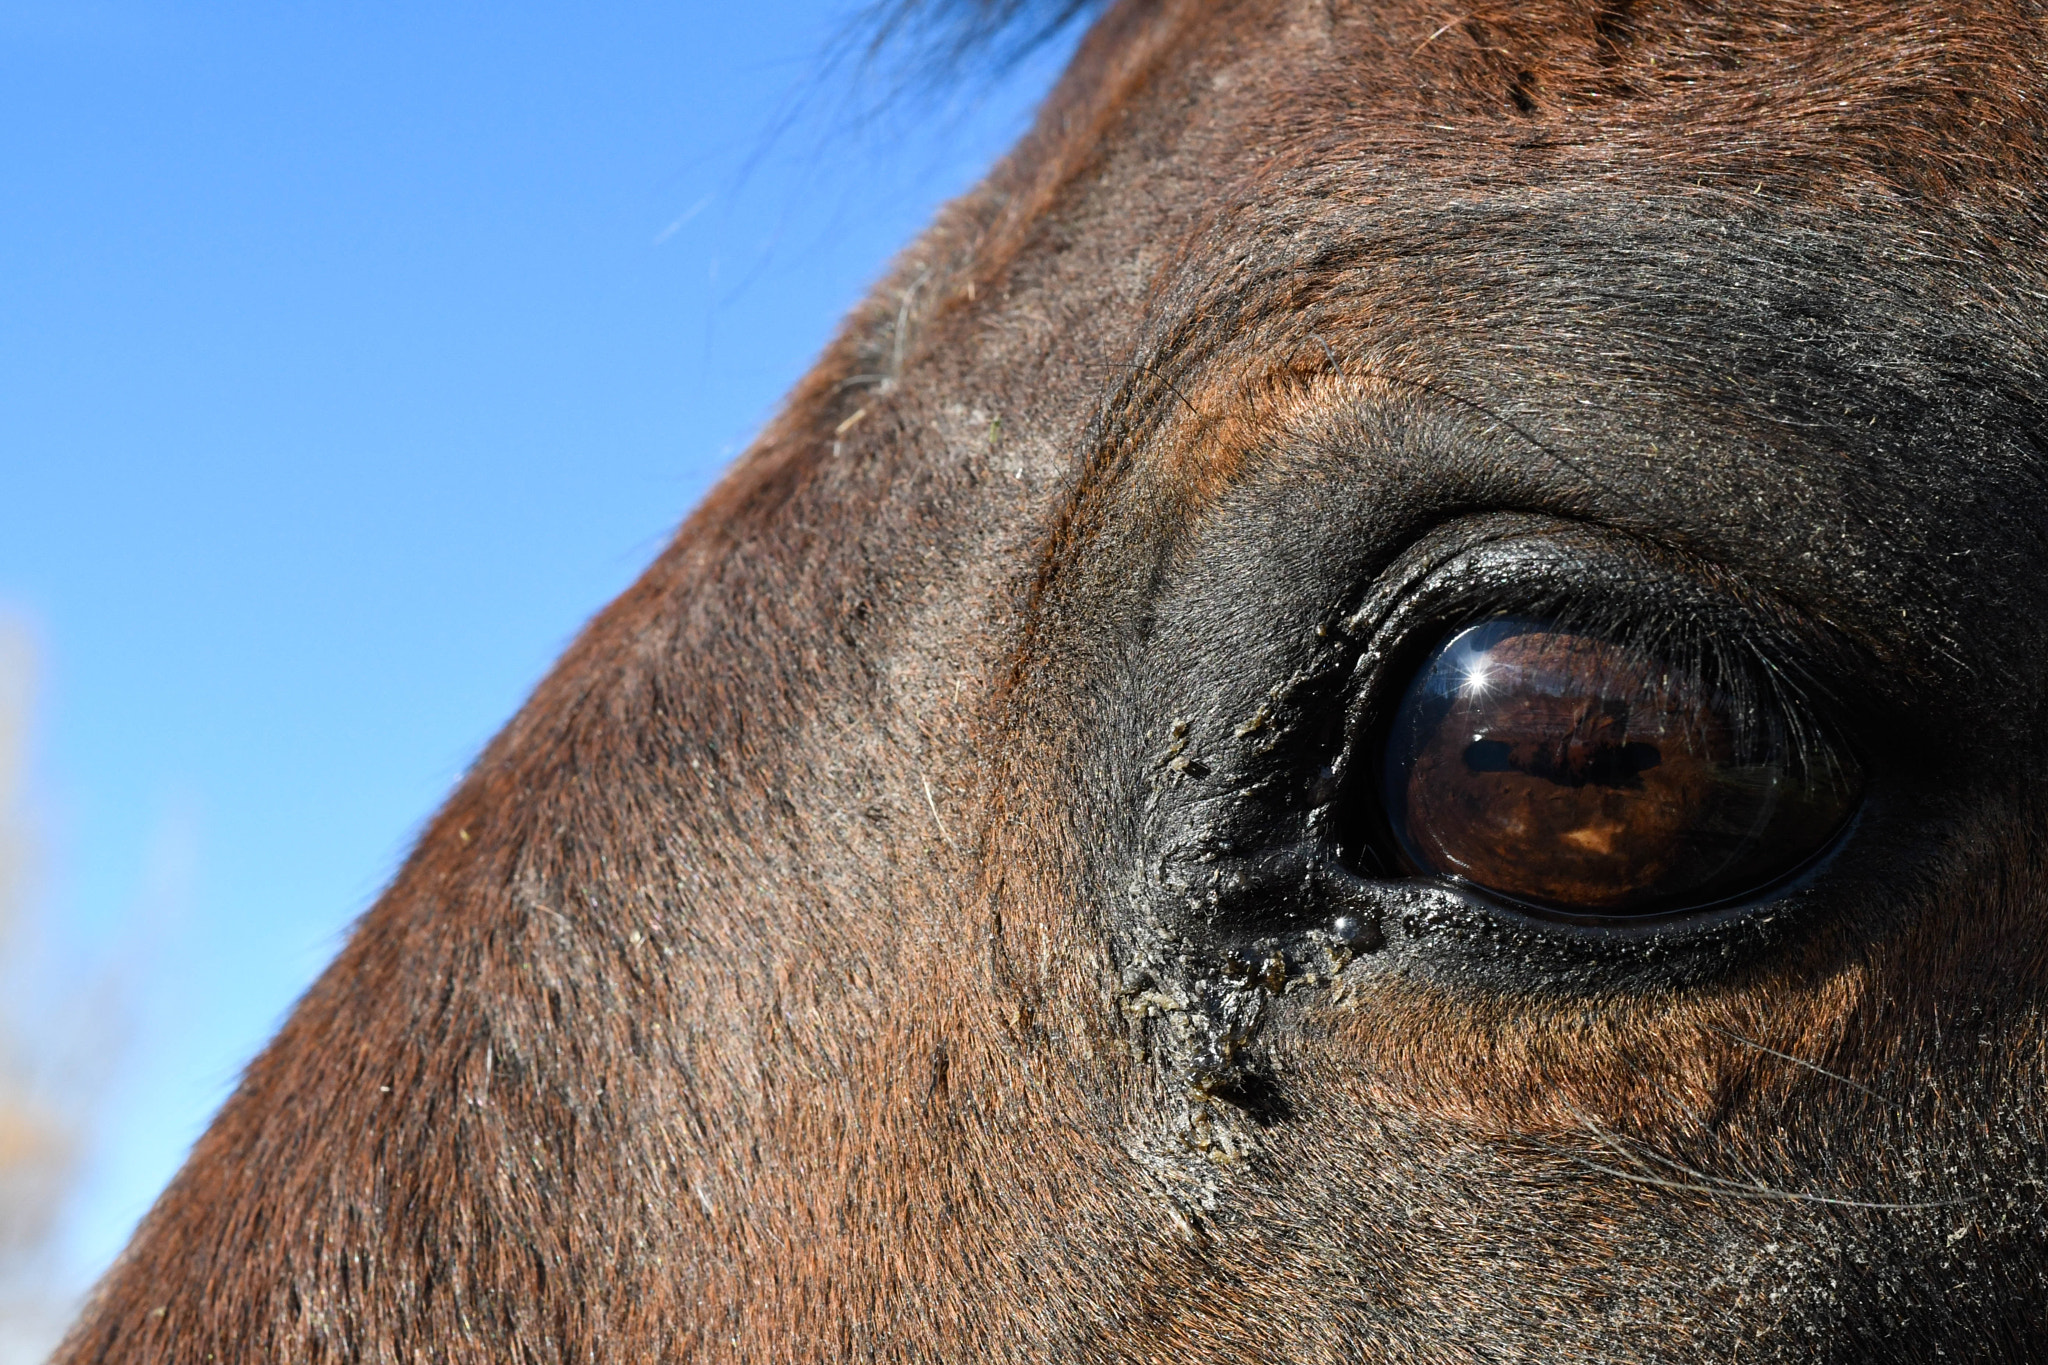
{"x":1575,"y":773}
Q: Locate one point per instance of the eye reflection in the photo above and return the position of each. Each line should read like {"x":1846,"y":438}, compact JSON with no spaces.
{"x":1574,"y":773}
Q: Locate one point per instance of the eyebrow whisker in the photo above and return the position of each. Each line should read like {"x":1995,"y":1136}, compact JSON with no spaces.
{"x":1700,"y":1182}
{"x":1814,"y":1067}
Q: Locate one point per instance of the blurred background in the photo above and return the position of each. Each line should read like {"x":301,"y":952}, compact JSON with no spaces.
{"x":351,"y":355}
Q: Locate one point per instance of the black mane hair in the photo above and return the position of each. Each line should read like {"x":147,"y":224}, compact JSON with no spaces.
{"x":934,"y":43}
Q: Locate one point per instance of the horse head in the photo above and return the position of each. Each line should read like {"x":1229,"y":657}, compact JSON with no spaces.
{"x":1383,"y":705}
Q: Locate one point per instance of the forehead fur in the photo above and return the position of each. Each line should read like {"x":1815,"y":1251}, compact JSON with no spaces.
{"x":1781,"y":248}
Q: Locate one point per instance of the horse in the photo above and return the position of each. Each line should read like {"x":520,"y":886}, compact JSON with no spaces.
{"x":1382,"y":705}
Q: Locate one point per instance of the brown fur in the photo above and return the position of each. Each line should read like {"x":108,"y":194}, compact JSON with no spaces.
{"x":765,"y":993}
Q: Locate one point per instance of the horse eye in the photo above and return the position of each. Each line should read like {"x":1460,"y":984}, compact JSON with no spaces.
{"x":1575,"y":774}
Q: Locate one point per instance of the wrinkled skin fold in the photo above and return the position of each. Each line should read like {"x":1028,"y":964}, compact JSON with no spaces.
{"x":918,"y":920}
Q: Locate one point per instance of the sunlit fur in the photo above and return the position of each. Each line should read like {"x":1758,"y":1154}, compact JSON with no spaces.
{"x":779,"y":987}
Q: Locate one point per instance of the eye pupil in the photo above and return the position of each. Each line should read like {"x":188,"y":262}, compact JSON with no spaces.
{"x":1606,"y":762}
{"x":1573,"y":773}
{"x":1489,"y":756}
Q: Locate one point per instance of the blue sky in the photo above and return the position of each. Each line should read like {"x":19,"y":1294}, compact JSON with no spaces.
{"x":351,"y":355}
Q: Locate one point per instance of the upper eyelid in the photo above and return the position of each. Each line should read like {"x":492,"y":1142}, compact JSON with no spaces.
{"x":1603,"y":580}
{"x":1599,"y":577}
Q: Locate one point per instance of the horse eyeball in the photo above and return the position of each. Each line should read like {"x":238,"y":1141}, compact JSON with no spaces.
{"x":1576,"y":774}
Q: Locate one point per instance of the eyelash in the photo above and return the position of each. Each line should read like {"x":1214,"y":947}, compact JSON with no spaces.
{"x":1765,"y":676}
